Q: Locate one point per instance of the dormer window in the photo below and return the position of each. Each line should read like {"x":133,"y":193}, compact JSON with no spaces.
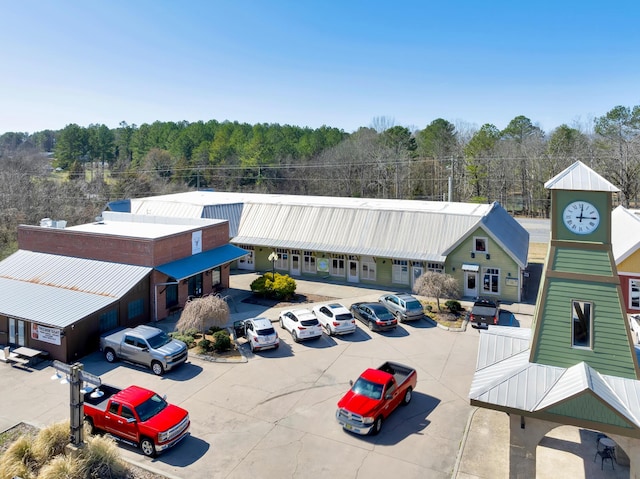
{"x":582,"y":324}
{"x":480,"y":245}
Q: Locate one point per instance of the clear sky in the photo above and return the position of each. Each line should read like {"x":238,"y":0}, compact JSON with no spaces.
{"x":313,"y":63}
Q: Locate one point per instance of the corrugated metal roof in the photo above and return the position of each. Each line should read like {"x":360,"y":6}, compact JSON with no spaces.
{"x":390,"y":233}
{"x":231,"y":212}
{"x":58,"y":290}
{"x":197,"y":263}
{"x":506,"y":379}
{"x":625,"y":233}
{"x":579,"y":177}
{"x":76,"y":274}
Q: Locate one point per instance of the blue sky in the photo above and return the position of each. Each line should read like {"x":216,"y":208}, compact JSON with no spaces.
{"x":314,"y":63}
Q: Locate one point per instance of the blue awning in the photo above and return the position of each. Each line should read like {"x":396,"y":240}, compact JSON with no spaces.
{"x":200,"y":262}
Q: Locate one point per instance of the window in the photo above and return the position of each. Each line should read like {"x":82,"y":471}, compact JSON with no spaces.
{"x":195,"y":285}
{"x":491,"y":280}
{"x":248,"y":259}
{"x":113,"y":407}
{"x":283,"y":259}
{"x":171,"y":295}
{"x":135,"y":309}
{"x":309,"y":262}
{"x":435,"y":267}
{"x":337,"y":265}
{"x":127,"y":413}
{"x":108,"y":320}
{"x":634,"y":296}
{"x":480,"y":245}
{"x":368,"y":270}
{"x":400,"y":271}
{"x":581,"y":324}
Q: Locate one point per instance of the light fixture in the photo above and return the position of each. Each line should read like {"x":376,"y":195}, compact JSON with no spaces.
{"x":473,"y":255}
{"x":64,"y":380}
{"x":86,"y":389}
{"x":97,"y":393}
{"x":488,"y":256}
{"x":56,"y":376}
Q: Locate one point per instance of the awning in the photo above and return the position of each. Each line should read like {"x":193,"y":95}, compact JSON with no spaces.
{"x":470,"y":267}
{"x":197,"y":263}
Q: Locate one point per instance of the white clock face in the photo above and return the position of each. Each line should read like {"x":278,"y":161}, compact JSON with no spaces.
{"x":581,"y":217}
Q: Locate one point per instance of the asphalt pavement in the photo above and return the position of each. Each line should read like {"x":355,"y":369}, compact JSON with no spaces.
{"x":273,"y":415}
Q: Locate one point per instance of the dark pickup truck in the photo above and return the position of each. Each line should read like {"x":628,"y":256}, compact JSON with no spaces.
{"x":484,"y":312}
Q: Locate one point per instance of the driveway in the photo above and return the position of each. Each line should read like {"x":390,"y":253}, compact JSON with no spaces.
{"x":273,"y":416}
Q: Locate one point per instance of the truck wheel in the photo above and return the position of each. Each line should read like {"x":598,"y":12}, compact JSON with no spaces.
{"x":89,"y":428}
{"x":377,"y":426}
{"x":110,"y":355}
{"x":157,"y":368}
{"x":147,"y":447}
{"x":407,"y":397}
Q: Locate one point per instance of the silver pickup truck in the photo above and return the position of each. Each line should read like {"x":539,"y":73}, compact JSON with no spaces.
{"x":144,"y":345}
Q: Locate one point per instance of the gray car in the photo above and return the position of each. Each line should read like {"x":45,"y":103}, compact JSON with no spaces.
{"x":403,"y":306}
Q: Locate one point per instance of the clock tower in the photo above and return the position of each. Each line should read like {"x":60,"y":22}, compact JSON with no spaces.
{"x":579,"y":310}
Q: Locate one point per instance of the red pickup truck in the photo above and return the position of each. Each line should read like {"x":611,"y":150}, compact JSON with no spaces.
{"x":136,"y":416}
{"x":374,"y":396}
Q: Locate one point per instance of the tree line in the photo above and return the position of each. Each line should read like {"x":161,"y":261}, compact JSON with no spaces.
{"x":72,"y":173}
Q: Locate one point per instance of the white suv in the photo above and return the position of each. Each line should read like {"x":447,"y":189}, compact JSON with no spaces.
{"x":335,"y":318}
{"x":259,"y":332}
{"x":301,"y":323}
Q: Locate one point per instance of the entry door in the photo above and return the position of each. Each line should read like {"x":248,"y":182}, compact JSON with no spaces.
{"x":16,"y":332}
{"x":470,"y":283}
{"x":352,"y":272}
{"x":416,"y":272}
{"x":295,"y":264}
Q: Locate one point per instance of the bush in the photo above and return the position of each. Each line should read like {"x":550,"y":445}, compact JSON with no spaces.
{"x":281,"y":287}
{"x":51,"y":441}
{"x":205,"y":346}
{"x":453,"y":306}
{"x":18,"y":460}
{"x":214,"y":329}
{"x":221,"y":340}
{"x":101,"y":458}
{"x":189,"y":340}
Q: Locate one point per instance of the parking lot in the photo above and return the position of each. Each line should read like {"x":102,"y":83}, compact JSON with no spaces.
{"x":273,"y":415}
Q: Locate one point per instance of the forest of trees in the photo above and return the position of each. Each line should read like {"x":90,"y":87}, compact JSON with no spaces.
{"x":72,"y":173}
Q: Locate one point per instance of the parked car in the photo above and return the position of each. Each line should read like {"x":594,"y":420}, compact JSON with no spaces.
{"x":144,"y":345}
{"x":137,"y":416}
{"x":259,"y":332}
{"x":403,"y":306}
{"x":484,"y":311}
{"x":335,"y":318}
{"x":375,"y":394}
{"x":374,"y":315}
{"x":301,"y":323}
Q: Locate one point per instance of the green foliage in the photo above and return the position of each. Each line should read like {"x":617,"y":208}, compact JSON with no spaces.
{"x":188,"y":339}
{"x":214,"y":329}
{"x":221,"y":340}
{"x":205,"y":346}
{"x":281,"y":287}
{"x":453,"y":305}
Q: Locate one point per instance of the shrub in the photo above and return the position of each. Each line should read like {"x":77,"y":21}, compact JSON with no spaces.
{"x":101,"y":458}
{"x":453,"y":306}
{"x":221,"y":340}
{"x":18,"y":459}
{"x":214,"y":329}
{"x":189,"y":340}
{"x":67,"y":467}
{"x":280,"y":287}
{"x":51,"y":441}
{"x":205,"y":346}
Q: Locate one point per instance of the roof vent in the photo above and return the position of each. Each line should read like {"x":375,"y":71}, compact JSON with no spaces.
{"x":46,"y":222}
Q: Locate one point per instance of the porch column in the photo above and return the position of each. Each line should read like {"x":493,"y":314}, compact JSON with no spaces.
{"x":524,"y":435}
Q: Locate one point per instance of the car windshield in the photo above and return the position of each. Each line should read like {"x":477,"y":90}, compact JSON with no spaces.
{"x":344,"y":317}
{"x":414,"y":304}
{"x":309,"y":322}
{"x":265,"y":332}
{"x":367,"y":388}
{"x":159,"y":340}
{"x":381,"y":312}
{"x":150,"y":407}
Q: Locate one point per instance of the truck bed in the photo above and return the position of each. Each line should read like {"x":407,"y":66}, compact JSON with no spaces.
{"x":101,"y":402}
{"x":399,"y":371}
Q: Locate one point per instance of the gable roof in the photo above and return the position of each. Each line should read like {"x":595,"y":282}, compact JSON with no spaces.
{"x":580,"y":177}
{"x":506,"y":380}
{"x":403,"y":229}
{"x":57,"y":290}
{"x":625,"y":233}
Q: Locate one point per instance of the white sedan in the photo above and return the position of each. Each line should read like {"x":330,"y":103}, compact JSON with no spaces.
{"x":301,"y":323}
{"x":335,"y":318}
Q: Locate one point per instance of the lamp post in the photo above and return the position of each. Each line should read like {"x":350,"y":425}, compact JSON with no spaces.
{"x":273,"y":257}
{"x":76,"y":376}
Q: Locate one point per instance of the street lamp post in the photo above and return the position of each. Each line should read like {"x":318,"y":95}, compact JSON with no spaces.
{"x":76,"y":376}
{"x":273,"y":257}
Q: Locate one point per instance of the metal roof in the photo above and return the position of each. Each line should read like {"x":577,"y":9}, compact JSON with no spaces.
{"x":625,"y":233}
{"x":58,"y":290}
{"x":197,"y":263}
{"x":579,"y":177}
{"x":505,"y":378}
